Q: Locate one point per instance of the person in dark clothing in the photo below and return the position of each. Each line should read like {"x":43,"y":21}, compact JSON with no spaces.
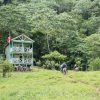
{"x":63,"y":68}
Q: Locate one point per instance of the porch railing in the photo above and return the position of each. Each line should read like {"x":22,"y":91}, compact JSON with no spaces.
{"x":22,"y":61}
{"x":21,"y":49}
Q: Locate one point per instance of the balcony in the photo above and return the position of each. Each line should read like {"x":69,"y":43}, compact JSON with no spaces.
{"x":22,"y":61}
{"x":21,"y":49}
{"x":27,"y":50}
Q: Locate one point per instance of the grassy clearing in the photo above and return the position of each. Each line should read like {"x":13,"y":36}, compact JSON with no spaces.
{"x":50,"y":85}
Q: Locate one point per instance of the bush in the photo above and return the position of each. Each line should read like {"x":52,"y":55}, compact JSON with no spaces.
{"x":94,"y":64}
{"x":53,"y":59}
{"x":38,"y":63}
{"x":5,"y":67}
{"x":78,"y":61}
{"x":55,"y":55}
{"x":57,"y":66}
{"x":50,"y":65}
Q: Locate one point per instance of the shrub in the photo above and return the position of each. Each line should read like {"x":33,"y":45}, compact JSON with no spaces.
{"x":57,"y":65}
{"x":78,"y":61}
{"x":50,"y":65}
{"x":47,"y":64}
{"x":94,"y":64}
{"x":5,"y":67}
{"x":38,"y":63}
{"x":53,"y":59}
{"x":55,"y":55}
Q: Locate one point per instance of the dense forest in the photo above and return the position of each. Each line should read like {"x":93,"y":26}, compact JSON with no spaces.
{"x":63,"y":30}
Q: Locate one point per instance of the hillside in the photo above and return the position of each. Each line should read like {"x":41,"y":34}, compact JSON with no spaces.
{"x":50,"y":85}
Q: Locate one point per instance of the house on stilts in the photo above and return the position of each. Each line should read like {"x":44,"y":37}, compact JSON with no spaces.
{"x":20,"y":51}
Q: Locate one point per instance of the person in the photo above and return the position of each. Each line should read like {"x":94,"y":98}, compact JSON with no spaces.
{"x":76,"y":68}
{"x":63,"y":68}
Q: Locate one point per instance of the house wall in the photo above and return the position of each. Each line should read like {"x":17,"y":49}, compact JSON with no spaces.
{"x":7,"y":52}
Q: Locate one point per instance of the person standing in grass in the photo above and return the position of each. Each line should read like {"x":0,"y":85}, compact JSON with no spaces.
{"x":63,"y":68}
{"x":76,"y":68}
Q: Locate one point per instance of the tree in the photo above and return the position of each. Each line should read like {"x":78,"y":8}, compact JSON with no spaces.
{"x":55,"y":55}
{"x":94,"y":64}
{"x":7,"y":1}
{"x":93,"y":44}
{"x":91,"y":26}
{"x":83,"y":7}
{"x":14,"y":19}
{"x":66,"y":35}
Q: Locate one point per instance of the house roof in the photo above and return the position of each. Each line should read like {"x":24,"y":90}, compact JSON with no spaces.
{"x":22,"y":38}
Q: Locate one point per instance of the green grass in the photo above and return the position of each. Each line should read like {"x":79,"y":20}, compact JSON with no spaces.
{"x":50,"y":85}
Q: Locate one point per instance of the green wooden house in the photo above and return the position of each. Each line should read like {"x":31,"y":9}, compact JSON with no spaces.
{"x":20,"y":51}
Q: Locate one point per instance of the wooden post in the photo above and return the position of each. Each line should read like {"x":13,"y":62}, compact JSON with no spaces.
{"x":22,"y":52}
{"x":12,"y":53}
{"x":32,"y":54}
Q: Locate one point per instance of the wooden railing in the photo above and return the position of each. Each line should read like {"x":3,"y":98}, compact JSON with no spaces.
{"x":21,"y":49}
{"x":22,"y":61}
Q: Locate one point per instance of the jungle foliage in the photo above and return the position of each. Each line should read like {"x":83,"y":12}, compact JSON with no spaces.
{"x":71,"y":27}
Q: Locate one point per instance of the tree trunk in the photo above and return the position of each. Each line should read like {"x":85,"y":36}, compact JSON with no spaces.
{"x":48,"y":43}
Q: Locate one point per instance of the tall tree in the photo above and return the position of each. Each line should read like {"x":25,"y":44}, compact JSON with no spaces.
{"x":93,"y":44}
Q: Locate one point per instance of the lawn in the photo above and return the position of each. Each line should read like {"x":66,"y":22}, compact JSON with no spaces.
{"x":50,"y":85}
